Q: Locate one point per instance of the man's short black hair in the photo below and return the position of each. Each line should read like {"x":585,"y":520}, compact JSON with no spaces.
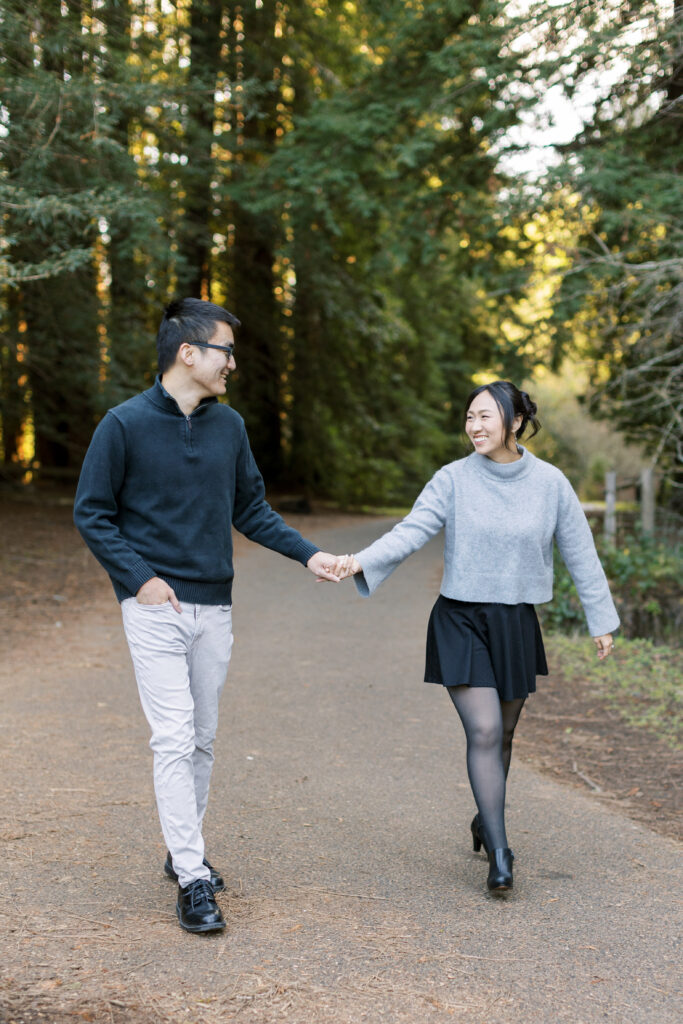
{"x":188,"y":320}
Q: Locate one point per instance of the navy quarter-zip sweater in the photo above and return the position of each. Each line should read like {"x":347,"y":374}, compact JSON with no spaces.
{"x":159,"y":492}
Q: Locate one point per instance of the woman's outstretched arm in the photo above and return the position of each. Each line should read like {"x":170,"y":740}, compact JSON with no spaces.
{"x":375,"y":563}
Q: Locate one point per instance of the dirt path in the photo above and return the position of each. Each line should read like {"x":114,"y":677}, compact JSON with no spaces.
{"x":339,"y":816}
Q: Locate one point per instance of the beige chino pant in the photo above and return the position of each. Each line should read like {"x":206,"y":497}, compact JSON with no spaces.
{"x":180,"y":662}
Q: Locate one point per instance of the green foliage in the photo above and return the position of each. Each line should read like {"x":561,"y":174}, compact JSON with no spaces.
{"x":564,"y":613}
{"x":393,"y":231}
{"x":326,"y":169}
{"x":645,"y":578}
{"x":621,"y":302}
{"x":332,"y":172}
{"x":583,"y":447}
{"x":66,"y":178}
{"x":641,"y":682}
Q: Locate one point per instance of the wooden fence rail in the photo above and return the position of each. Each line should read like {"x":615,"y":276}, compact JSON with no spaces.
{"x":647,"y":503}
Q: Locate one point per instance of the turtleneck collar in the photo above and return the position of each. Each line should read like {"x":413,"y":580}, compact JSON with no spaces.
{"x":160,"y":397}
{"x":503,"y":470}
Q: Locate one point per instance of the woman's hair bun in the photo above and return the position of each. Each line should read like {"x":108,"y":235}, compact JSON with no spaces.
{"x":530,"y":408}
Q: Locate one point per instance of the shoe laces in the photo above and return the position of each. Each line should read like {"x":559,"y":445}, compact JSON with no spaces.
{"x":200,"y":891}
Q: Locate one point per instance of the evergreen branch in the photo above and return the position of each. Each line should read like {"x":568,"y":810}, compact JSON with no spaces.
{"x":58,"y":121}
{"x":15,"y":275}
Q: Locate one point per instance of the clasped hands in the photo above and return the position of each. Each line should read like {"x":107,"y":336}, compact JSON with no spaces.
{"x":334,"y":568}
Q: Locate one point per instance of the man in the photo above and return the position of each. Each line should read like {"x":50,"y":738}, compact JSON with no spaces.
{"x":165,"y":477}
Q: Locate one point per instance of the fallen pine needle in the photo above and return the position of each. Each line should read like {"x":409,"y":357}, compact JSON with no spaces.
{"x":335,"y":892}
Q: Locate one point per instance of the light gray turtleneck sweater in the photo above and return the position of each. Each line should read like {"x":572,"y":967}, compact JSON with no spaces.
{"x":500,"y":519}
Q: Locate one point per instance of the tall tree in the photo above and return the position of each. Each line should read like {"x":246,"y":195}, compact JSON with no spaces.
{"x":389,"y":194}
{"x":328,"y":169}
{"x":250,"y":126}
{"x":197,"y":175}
{"x":65,"y":179}
{"x":622,"y":299}
{"x":134,"y":249}
{"x":50,"y":111}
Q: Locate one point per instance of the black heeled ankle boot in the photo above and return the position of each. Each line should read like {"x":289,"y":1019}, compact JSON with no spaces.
{"x":478,"y":837}
{"x":500,"y":870}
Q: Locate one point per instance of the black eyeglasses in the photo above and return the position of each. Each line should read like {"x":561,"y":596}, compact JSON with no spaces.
{"x":228,"y":349}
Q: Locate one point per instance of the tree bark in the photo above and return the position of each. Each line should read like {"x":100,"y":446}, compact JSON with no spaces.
{"x":61,"y":313}
{"x":258,"y":388}
{"x":196,"y":229}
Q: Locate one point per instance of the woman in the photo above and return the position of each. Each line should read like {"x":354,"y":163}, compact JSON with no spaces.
{"x":501,"y":508}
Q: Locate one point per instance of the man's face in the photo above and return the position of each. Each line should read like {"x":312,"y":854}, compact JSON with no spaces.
{"x":211,"y":367}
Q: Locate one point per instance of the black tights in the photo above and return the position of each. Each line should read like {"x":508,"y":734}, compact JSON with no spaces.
{"x":489,"y":727}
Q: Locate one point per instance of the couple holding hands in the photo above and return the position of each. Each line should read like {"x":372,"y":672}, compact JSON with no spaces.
{"x":170,"y":471}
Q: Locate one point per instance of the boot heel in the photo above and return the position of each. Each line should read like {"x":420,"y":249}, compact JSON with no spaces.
{"x":477,"y":841}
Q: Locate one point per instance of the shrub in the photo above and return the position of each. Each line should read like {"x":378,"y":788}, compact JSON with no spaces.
{"x":645,"y":578}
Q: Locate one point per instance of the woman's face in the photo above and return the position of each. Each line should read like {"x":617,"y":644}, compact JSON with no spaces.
{"x":485,"y":428}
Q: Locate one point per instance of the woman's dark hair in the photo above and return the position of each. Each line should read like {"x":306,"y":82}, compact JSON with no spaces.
{"x":188,"y":320}
{"x":512,"y":403}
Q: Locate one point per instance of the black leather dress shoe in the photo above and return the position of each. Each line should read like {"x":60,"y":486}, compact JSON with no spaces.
{"x":197,"y":909}
{"x":216,"y":879}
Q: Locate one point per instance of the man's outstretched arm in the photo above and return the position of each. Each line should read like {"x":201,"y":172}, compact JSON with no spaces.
{"x":253,"y":516}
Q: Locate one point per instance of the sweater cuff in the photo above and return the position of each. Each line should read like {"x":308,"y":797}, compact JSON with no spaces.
{"x":374,"y":571}
{"x":137,"y":576}
{"x":601,"y":627}
{"x":303,"y":551}
{"x":361,"y":584}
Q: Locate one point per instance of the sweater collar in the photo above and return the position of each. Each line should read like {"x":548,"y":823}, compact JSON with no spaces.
{"x":160,"y":397}
{"x":503,"y":470}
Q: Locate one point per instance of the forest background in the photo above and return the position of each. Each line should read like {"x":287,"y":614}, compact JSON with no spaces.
{"x":398,"y":199}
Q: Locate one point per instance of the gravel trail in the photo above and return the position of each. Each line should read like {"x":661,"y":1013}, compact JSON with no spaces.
{"x":340,"y":818}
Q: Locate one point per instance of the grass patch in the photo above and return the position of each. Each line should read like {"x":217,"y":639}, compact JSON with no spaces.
{"x":640,"y":681}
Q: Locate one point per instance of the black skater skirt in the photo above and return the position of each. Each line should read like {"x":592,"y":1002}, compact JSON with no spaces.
{"x":476,"y":644}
